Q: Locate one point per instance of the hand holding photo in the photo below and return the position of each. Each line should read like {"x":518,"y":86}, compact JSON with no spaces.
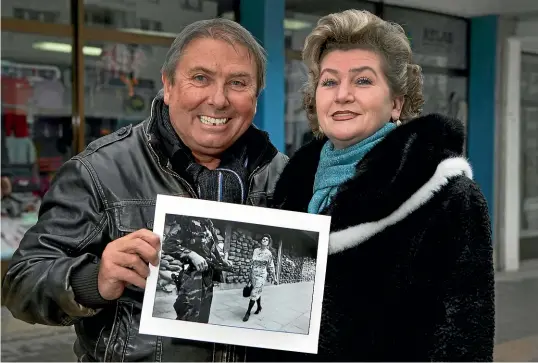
{"x":237,"y":274}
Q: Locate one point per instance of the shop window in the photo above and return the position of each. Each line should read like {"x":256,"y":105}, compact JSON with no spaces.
{"x":37,"y":134}
{"x":120,"y":81}
{"x":49,"y":11}
{"x":166,"y":17}
{"x":146,"y":24}
{"x":446,"y":94}
{"x":437,"y":40}
{"x":439,"y":44}
{"x":100,"y":16}
{"x":29,"y":14}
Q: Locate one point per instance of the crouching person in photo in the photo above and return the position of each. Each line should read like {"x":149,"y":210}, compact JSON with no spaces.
{"x":202,"y":264}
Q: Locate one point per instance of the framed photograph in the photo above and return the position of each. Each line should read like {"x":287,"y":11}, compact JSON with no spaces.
{"x":237,"y":274}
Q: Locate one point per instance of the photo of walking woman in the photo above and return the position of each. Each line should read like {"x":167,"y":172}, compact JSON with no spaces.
{"x":262,"y":262}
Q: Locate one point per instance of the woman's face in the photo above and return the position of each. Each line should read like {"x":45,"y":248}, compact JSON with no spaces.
{"x":265,"y":242}
{"x":353,"y":99}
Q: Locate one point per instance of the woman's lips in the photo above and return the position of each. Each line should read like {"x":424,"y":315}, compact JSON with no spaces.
{"x":344,"y":115}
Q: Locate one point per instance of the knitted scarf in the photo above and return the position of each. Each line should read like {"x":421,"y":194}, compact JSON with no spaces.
{"x":336,"y":166}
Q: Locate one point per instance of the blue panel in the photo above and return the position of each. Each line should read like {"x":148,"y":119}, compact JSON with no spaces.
{"x":481,"y":129}
{"x":265,"y":20}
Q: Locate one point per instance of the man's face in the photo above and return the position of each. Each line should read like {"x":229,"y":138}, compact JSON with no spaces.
{"x":212,"y":101}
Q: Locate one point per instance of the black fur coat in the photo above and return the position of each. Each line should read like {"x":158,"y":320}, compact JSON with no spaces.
{"x":410,"y":272}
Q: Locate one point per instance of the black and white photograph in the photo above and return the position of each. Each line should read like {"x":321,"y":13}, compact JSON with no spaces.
{"x":237,"y":274}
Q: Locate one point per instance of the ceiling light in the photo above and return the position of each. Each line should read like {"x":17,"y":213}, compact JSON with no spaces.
{"x":66,"y":48}
{"x":294,"y":24}
{"x":289,"y":24}
{"x":149,"y":32}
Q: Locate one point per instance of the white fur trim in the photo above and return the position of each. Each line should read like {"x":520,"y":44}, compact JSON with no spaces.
{"x":352,"y":236}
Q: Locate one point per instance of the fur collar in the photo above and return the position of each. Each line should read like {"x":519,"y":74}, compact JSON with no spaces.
{"x":394,"y":179}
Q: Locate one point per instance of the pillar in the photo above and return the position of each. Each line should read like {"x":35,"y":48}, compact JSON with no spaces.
{"x":265,"y":20}
{"x":482,"y":104}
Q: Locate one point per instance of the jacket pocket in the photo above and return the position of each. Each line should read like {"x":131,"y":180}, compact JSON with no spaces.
{"x":130,"y":216}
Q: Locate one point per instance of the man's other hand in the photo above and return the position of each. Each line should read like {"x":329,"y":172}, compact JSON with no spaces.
{"x":125,"y":261}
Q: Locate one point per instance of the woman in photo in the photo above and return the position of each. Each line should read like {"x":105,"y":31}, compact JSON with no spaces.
{"x":410,"y":270}
{"x":262,"y":261}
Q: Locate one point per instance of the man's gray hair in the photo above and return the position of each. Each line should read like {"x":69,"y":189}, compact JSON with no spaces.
{"x":222,"y":29}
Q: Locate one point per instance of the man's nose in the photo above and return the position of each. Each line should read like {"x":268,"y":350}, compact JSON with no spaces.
{"x":219,"y":97}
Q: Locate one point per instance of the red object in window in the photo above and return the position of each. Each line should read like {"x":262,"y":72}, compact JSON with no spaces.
{"x":16,"y":124}
{"x":16,"y":91}
{"x":50,"y":164}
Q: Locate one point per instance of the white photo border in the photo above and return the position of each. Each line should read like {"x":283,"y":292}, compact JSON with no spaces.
{"x":306,"y":343}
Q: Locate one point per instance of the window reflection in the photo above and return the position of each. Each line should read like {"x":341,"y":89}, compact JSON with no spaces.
{"x":49,"y":11}
{"x":152,"y":16}
{"x":37,"y":132}
{"x":119,"y":85}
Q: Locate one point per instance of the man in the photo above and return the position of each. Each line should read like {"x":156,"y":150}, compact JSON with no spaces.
{"x":196,"y":241}
{"x":85,"y":262}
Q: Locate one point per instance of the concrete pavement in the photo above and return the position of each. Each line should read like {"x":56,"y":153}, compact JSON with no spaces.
{"x":516,"y":317}
{"x":285,"y":308}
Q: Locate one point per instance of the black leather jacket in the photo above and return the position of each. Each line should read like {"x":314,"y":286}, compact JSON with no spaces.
{"x":106,"y":192}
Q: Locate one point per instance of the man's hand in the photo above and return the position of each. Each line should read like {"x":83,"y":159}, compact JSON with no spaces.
{"x":125,"y":261}
{"x":198,"y":261}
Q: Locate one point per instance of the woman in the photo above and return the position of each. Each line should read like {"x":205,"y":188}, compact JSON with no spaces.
{"x":262,"y":260}
{"x":410,"y":272}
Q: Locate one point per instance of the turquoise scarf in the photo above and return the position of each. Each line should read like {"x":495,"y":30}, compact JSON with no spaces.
{"x":337,"y":166}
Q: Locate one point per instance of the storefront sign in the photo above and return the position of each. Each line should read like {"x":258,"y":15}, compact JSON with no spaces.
{"x":437,"y":40}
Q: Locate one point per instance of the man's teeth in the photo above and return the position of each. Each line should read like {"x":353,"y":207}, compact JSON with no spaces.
{"x":213,"y":121}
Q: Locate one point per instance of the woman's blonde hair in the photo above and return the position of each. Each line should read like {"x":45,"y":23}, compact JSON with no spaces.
{"x":360,"y":29}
